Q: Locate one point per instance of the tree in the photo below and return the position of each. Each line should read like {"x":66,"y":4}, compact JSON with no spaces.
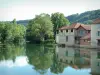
{"x":58,"y":21}
{"x":40,"y":27}
{"x":14,"y":21}
{"x":11,"y":32}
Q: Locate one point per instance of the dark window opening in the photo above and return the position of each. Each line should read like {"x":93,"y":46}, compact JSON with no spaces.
{"x":98,"y":33}
{"x":61,"y":30}
{"x":66,"y":30}
{"x":66,"y":53}
{"x":88,"y":31}
{"x":98,"y":55}
{"x":66,"y":61}
{"x":71,"y":30}
{"x":98,"y":64}
{"x":71,"y":62}
{"x":66,"y":38}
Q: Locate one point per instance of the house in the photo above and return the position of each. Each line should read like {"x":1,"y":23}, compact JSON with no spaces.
{"x":70,"y":35}
{"x":95,"y":33}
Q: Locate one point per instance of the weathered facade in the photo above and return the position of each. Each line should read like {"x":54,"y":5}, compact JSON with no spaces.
{"x":95,"y":33}
{"x":74,"y":57}
{"x":70,"y":35}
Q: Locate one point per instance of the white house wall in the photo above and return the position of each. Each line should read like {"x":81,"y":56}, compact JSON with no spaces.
{"x":61,"y":37}
{"x":94,"y":37}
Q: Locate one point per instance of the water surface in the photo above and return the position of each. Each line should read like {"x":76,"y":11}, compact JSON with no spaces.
{"x":48,"y":60}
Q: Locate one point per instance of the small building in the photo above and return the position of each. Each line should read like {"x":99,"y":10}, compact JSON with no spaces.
{"x":70,"y":35}
{"x":95,"y":33}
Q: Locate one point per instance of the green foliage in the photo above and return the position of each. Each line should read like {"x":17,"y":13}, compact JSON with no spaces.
{"x":59,"y":20}
{"x":86,"y":17}
{"x":11,"y":32}
{"x":10,"y":51}
{"x":57,"y":66}
{"x":40,"y":56}
{"x":40,"y":27}
{"x":49,"y":41}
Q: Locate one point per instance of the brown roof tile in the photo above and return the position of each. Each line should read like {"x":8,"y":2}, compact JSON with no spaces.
{"x":75,"y":26}
{"x":87,"y":27}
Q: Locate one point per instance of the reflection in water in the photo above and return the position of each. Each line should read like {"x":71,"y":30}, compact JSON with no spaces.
{"x":95,"y":62}
{"x":11,"y":51}
{"x":40,"y":57}
{"x":52,"y":60}
{"x":75,"y":58}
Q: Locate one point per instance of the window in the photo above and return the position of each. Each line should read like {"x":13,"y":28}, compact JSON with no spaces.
{"x":98,"y":63}
{"x":66,"y":30}
{"x":81,"y":32}
{"x":61,"y":30}
{"x":66,"y":38}
{"x":71,"y":30}
{"x":98,"y":33}
{"x":98,"y":55}
{"x":66,"y":61}
{"x":66,"y":53}
{"x":88,"y":31}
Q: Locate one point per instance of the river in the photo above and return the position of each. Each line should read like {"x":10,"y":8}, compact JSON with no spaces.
{"x":34,"y":59}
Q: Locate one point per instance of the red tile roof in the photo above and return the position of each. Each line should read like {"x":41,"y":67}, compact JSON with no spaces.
{"x":96,"y":21}
{"x":88,"y":36}
{"x":75,"y":26}
{"x":87,"y":27}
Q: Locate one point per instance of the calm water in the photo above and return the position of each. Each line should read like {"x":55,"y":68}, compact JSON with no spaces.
{"x":48,"y":60}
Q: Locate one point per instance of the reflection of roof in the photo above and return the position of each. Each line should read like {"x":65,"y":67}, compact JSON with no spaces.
{"x":75,"y":26}
{"x":96,"y":21}
{"x":88,"y":36}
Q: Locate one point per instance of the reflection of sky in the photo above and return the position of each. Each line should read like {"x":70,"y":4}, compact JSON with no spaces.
{"x":71,"y":71}
{"x":20,"y":61}
{"x":21,"y":67}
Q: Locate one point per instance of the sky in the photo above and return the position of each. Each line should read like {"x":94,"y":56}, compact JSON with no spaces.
{"x":27,"y":9}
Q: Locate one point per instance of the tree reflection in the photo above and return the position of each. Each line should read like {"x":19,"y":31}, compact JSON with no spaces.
{"x":40,"y":56}
{"x":57,"y":66}
{"x":10,"y":51}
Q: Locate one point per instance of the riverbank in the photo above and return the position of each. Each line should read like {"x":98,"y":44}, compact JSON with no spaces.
{"x":80,"y":46}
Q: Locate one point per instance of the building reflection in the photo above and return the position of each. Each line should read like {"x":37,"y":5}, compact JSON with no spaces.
{"x":75,"y":57}
{"x":79,"y":58}
{"x":95,"y":62}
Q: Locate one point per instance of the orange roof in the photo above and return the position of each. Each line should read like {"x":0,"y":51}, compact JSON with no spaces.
{"x":88,"y":36}
{"x":75,"y":26}
{"x":87,"y":27}
{"x":96,"y":21}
